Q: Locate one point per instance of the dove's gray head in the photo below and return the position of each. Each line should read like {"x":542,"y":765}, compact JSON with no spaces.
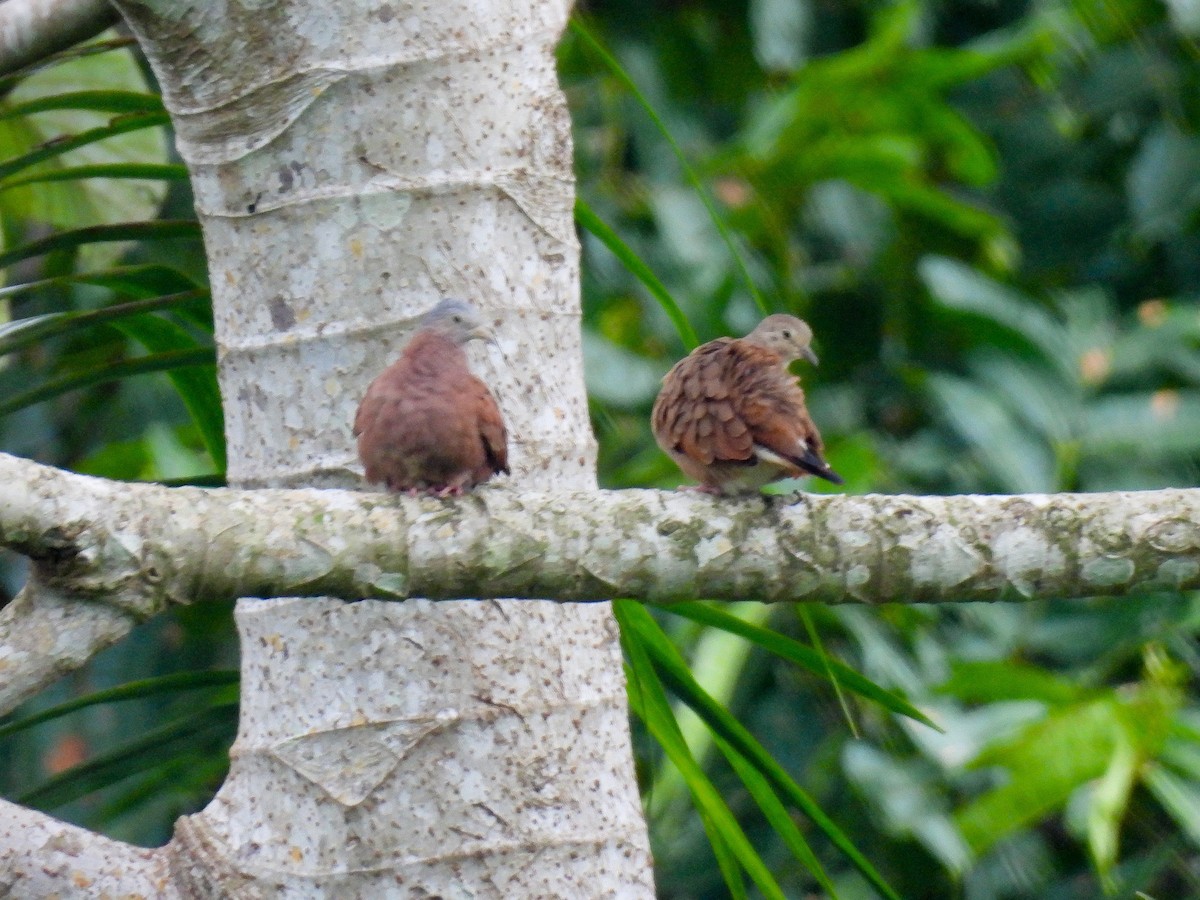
{"x":786,"y":335}
{"x":458,"y":321}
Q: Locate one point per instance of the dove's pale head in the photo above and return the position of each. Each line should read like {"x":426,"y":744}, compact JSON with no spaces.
{"x":458,"y":321}
{"x":786,"y":335}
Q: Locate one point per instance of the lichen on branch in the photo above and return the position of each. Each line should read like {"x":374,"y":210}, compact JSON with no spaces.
{"x":144,"y":547}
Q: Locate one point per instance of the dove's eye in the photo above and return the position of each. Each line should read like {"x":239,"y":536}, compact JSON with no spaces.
{"x":457,"y":319}
{"x":787,"y":335}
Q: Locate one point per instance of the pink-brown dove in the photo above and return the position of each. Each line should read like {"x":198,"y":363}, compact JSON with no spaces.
{"x":732,"y":416}
{"x":426,"y":424}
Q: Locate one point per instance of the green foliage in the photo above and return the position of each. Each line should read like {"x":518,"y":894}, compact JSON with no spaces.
{"x":988,"y":213}
{"x":648,"y":701}
{"x":876,"y":116}
{"x":640,"y":634}
{"x":796,"y":652}
{"x":1085,"y":389}
{"x":82,"y":184}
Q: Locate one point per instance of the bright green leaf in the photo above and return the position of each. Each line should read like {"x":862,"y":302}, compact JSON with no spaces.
{"x":793,"y":651}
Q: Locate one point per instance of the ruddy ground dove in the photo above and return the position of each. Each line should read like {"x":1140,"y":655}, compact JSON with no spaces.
{"x":732,"y":416}
{"x":426,"y":424}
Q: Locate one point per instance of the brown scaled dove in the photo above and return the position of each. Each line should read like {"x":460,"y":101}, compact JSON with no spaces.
{"x":426,"y":424}
{"x":732,"y":416}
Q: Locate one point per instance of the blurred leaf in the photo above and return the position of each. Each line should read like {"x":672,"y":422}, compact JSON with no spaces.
{"x":1045,"y":764}
{"x":1041,"y":401}
{"x":647,"y":700}
{"x":1150,"y":425}
{"x":1182,"y":749}
{"x":174,"y":459}
{"x":131,"y":690}
{"x":23,"y":332}
{"x":780,"y":29}
{"x":1166,"y":341}
{"x":97,"y":47}
{"x":157,"y":747}
{"x":793,"y":651}
{"x":804,"y":612}
{"x":994,"y":681}
{"x":119,"y":460}
{"x":96,"y":72}
{"x":161,"y":230}
{"x":197,"y":385}
{"x":156,"y":362}
{"x":186,"y":778}
{"x":905,"y":792}
{"x":727,"y":859}
{"x":589,"y":220}
{"x":855,"y":218}
{"x":958,"y":286}
{"x":718,"y":659}
{"x":617,"y":376}
{"x":1185,"y":16}
{"x":151,"y":171}
{"x":95,"y":101}
{"x":1014,"y":459}
{"x":875,"y":116}
{"x":637,"y":622}
{"x":1050,"y":759}
{"x":584,"y":33}
{"x":138,"y":281}
{"x":1179,"y":796}
{"x":1107,"y":21}
{"x":1109,"y":802}
{"x":776,"y":814}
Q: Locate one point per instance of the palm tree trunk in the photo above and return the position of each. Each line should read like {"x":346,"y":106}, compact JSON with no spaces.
{"x":353,"y":163}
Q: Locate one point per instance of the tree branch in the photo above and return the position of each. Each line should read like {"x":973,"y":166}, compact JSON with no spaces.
{"x":45,"y":634}
{"x":141,"y":547}
{"x":33,"y":29}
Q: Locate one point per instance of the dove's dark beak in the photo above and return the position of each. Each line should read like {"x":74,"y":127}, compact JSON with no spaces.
{"x":808,"y":354}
